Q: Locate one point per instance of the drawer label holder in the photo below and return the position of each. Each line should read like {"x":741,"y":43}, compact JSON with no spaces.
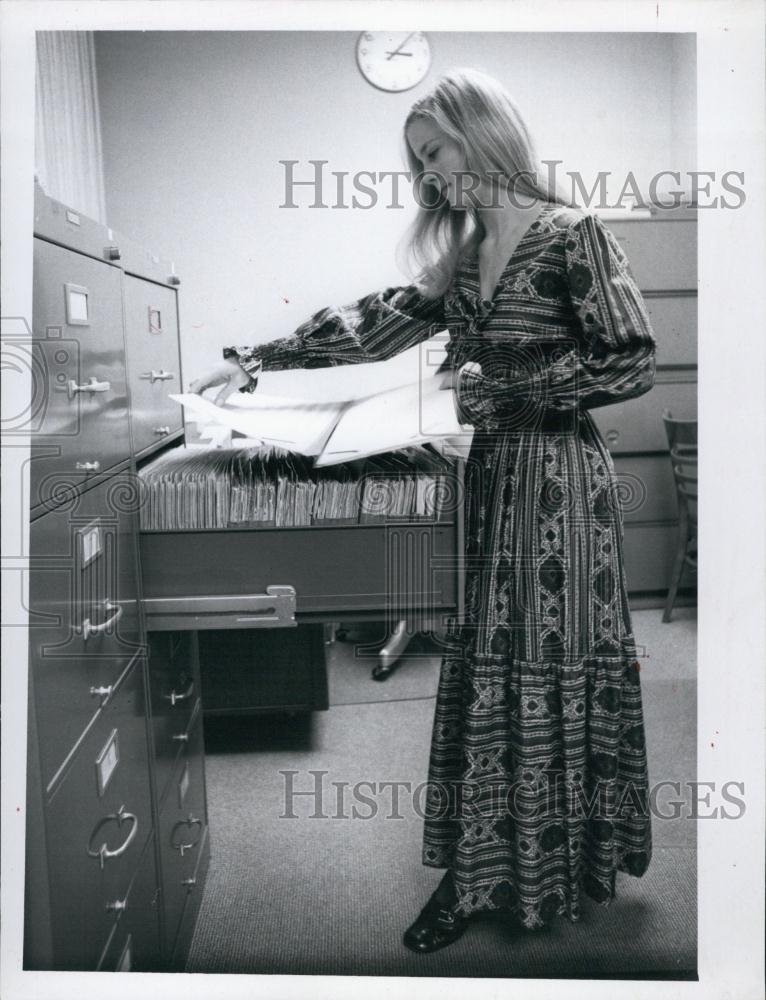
{"x":107,"y":761}
{"x":274,"y":609}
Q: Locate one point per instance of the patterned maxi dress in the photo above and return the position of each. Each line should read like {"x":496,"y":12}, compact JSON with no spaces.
{"x":538,"y":781}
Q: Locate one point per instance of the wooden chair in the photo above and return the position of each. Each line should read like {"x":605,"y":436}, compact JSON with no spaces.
{"x":682,"y":439}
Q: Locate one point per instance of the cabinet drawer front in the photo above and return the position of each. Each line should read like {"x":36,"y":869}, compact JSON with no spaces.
{"x":174,"y":682}
{"x":674,"y":321}
{"x":364,"y":567}
{"x":98,"y":822}
{"x":196,"y":884}
{"x":56,"y":222}
{"x":183,"y":824}
{"x":84,"y":574}
{"x":79,"y":354}
{"x":646,"y":488}
{"x":134,"y":942}
{"x":136,"y":260}
{"x":243,"y":670}
{"x":662,"y":253}
{"x":636,"y":425}
{"x":649,"y":551}
{"x":154,"y":369}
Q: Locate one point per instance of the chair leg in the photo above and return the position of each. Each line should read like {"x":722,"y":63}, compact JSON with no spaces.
{"x":330,"y":632}
{"x":678,"y":565}
{"x":396,"y":645}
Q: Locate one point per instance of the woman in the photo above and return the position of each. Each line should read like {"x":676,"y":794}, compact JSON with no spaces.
{"x":538,"y":775}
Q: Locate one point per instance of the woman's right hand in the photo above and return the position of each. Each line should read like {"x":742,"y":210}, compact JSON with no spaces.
{"x":227,"y":374}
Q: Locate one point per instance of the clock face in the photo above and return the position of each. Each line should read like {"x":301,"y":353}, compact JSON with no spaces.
{"x":393,"y":60}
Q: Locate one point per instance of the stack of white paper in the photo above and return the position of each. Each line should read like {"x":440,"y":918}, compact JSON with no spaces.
{"x":346,"y":412}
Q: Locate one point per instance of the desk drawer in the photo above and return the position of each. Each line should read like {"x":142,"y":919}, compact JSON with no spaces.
{"x":366,"y":567}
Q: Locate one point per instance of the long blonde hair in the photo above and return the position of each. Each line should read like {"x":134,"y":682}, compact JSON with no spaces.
{"x":477,"y":112}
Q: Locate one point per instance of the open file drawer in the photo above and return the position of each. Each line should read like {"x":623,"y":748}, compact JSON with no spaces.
{"x":230,"y":583}
{"x":218,"y":579}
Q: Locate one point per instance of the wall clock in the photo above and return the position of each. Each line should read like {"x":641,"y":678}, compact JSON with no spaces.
{"x":393,"y":60}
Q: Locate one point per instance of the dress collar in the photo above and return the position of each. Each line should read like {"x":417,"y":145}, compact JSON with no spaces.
{"x":467,"y":280}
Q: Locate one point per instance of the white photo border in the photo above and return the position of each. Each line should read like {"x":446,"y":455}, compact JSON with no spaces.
{"x":732,"y":363}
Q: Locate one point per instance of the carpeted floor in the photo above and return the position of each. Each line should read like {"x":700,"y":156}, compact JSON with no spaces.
{"x":329,"y":893}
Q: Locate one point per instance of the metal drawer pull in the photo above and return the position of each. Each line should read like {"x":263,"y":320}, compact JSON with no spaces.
{"x":87,"y":466}
{"x":118,"y":905}
{"x":160,"y":376}
{"x":190,"y":821}
{"x":162,"y":430}
{"x":92,"y":385}
{"x":174,"y":697}
{"x":87,"y":629}
{"x":103,"y":853}
{"x":181,"y":737}
{"x":188,"y":881}
{"x":101,"y":692}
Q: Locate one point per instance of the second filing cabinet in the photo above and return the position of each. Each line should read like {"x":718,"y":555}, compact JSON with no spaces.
{"x":662,"y":251}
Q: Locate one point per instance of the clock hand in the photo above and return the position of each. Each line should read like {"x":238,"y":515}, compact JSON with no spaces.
{"x":398,"y":53}
{"x":390,"y":54}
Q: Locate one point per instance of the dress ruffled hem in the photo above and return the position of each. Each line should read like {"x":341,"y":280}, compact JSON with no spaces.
{"x":555,"y":903}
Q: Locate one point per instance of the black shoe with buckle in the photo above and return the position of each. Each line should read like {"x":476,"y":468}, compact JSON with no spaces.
{"x":437,"y":926}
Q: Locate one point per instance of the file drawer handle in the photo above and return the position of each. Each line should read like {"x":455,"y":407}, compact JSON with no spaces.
{"x":189,"y":881}
{"x":174,"y":697}
{"x":118,"y":905}
{"x":87,"y":466}
{"x":92,"y":385}
{"x":274,"y":609}
{"x":103,"y":853}
{"x":182,"y":737}
{"x":190,"y":821}
{"x":162,"y":430}
{"x":160,"y":376}
{"x":87,"y":629}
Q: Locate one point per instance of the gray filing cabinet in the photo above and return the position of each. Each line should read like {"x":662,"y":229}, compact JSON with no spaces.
{"x":117,"y":827}
{"x":662,"y":251}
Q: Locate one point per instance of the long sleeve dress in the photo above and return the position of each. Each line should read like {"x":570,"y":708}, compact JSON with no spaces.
{"x":538,"y":783}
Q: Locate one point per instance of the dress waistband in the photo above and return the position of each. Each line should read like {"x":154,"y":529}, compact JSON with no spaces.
{"x":545,"y":423}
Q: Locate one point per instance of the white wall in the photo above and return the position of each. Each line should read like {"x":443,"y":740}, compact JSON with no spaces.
{"x":194,"y":125}
{"x":684,"y":103}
